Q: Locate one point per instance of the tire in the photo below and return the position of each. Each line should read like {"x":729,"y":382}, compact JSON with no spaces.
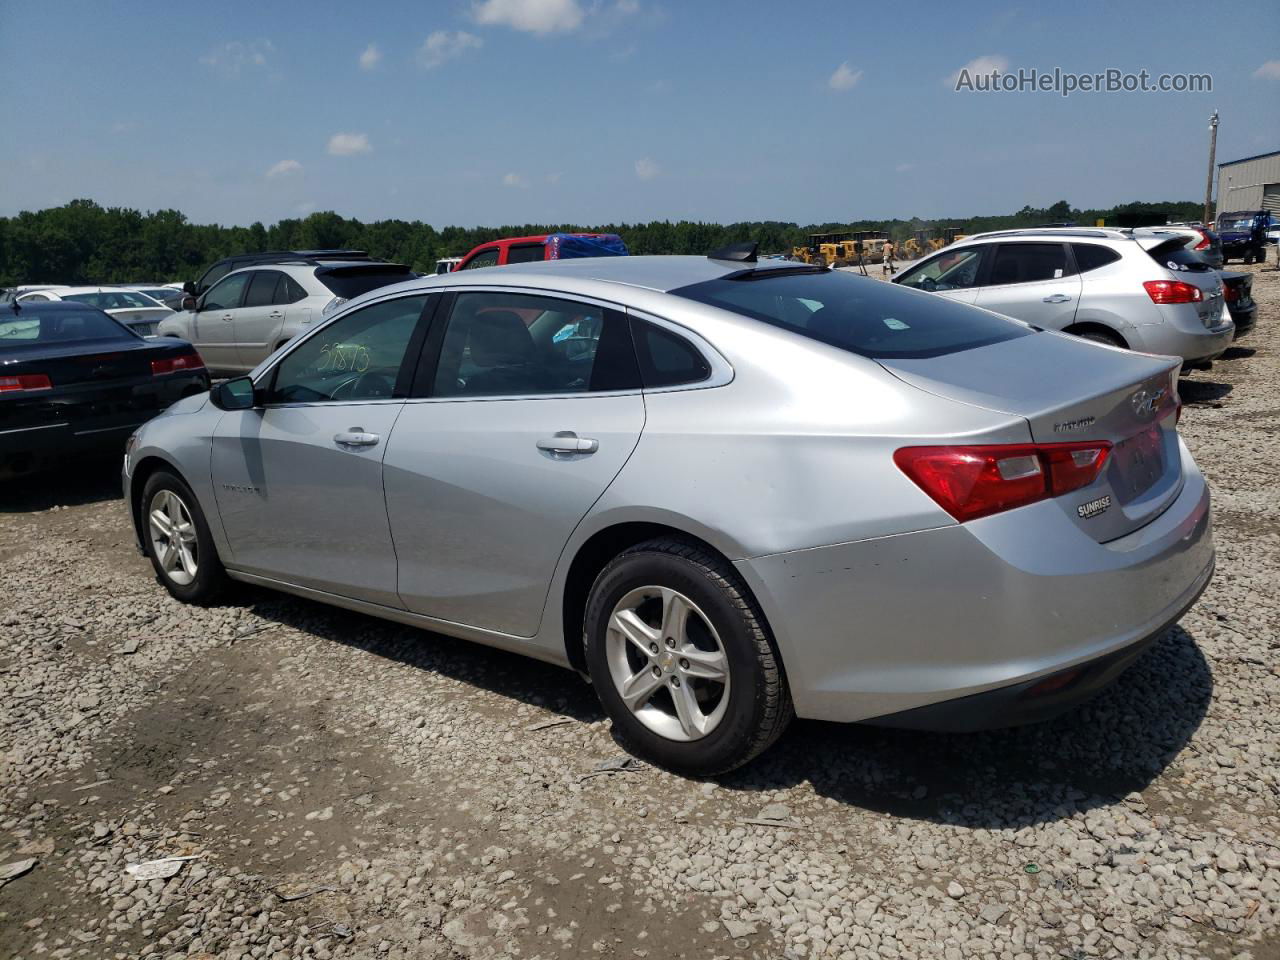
{"x":725,"y":633}
{"x":200,"y":581}
{"x":1097,"y":336}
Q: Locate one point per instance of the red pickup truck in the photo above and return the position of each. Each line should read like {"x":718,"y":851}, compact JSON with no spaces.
{"x":548,"y":246}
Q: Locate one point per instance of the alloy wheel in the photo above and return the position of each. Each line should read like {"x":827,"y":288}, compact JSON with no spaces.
{"x":173,"y":537}
{"x":667,"y":663}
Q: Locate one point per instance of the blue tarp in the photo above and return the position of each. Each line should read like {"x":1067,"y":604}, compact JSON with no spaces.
{"x":568,"y":246}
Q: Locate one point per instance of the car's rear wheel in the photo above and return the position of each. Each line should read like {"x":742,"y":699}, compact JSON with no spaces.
{"x":1099,"y":336}
{"x":178,"y":540}
{"x":682,"y":660}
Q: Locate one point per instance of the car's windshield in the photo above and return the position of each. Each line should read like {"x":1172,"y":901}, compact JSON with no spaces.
{"x":1236,"y":223}
{"x":29,"y":328}
{"x":112,"y":299}
{"x":868,"y":317}
{"x":349,"y":282}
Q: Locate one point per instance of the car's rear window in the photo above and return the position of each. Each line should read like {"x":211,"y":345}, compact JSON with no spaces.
{"x":348,"y":282}
{"x":28,"y":328}
{"x":865,"y":316}
{"x":1175,"y":255}
{"x":112,"y":299}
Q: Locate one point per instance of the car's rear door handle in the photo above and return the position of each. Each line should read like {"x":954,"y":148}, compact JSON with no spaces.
{"x":1057,"y":298}
{"x":276,"y":315}
{"x":566,"y":441}
{"x":355,"y":437}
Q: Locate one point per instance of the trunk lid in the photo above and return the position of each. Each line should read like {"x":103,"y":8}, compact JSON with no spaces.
{"x":1070,"y":390}
{"x":141,"y":320}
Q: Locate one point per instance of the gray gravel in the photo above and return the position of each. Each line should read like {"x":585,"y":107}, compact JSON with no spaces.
{"x":350,"y":788}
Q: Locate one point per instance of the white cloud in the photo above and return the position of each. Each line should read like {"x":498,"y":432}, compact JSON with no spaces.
{"x":232,"y":57}
{"x":844,"y":78}
{"x":1269,"y":70}
{"x":284,"y":168}
{"x":514,"y":180}
{"x":904,"y":167}
{"x":646,"y":169}
{"x":442,"y":46}
{"x":349,"y":144}
{"x":371,"y":57}
{"x":530,"y":16}
{"x":980,"y":65}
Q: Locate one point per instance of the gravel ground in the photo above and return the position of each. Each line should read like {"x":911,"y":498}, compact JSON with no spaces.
{"x":351,"y":788}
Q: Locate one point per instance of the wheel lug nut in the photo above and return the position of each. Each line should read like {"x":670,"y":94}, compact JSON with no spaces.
{"x":653,"y":648}
{"x":657,"y":671}
{"x":675,"y":681}
{"x":671,"y":641}
{"x":684,"y":664}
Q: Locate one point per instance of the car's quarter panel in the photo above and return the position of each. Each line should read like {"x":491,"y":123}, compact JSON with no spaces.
{"x":297,"y":505}
{"x":878,"y":626}
{"x":480,"y":514}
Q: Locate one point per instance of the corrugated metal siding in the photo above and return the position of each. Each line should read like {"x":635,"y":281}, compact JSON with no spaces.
{"x":1243,"y":185}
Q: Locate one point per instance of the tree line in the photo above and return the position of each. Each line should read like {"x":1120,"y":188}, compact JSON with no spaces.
{"x":83,"y":242}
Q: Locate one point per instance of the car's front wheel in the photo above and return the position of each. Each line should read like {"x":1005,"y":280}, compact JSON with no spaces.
{"x":682,"y":660}
{"x":178,"y":540}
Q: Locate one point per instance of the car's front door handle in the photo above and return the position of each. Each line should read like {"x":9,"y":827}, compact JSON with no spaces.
{"x":1057,"y":298}
{"x":276,"y":315}
{"x":355,"y":437}
{"x":566,"y":441}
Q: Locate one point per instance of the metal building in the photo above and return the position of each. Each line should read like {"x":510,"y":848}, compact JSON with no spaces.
{"x":1250,"y":184}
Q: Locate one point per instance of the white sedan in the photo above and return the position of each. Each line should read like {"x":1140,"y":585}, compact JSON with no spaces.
{"x":137,"y":311}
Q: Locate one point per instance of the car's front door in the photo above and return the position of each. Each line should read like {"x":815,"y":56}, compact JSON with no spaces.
{"x":533,"y":407}
{"x":298,"y":480}
{"x":1033,"y":282}
{"x":954,"y":274}
{"x":215,"y":322}
{"x":256,"y":318}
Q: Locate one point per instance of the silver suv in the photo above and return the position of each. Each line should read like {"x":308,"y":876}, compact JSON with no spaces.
{"x":1140,"y":289}
{"x":250,"y":313}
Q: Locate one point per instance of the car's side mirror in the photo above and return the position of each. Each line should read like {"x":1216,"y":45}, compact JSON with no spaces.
{"x":237,"y":394}
{"x":189,"y":303}
{"x":189,"y":288}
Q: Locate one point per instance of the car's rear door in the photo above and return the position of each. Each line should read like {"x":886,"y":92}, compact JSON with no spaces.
{"x":529,"y":406}
{"x":298,"y":479}
{"x":1033,"y":282}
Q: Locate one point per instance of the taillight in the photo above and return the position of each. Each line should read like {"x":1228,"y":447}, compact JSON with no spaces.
{"x":1230,"y":293}
{"x":972,"y":482}
{"x":25,"y":382}
{"x":1173,"y":291}
{"x":1204,"y":241}
{"x":184,"y":361}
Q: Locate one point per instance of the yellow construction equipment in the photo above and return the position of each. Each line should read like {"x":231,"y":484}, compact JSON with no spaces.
{"x":823,"y":248}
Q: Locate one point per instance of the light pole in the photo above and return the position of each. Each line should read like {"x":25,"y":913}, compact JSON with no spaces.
{"x":1208,"y":184}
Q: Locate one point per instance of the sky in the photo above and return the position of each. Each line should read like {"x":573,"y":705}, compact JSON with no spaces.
{"x":492,"y":112}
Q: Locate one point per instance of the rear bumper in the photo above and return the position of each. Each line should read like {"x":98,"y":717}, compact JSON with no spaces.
{"x":884,"y":626}
{"x":1244,"y":320}
{"x":1196,"y":345}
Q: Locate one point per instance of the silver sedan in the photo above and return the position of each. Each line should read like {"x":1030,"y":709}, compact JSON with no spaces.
{"x":728,"y":492}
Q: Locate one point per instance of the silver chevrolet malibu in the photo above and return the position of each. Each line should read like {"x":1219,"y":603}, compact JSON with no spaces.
{"x":728,"y":492}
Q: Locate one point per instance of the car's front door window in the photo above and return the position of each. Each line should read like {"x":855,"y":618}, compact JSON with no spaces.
{"x":950,"y":270}
{"x":358,"y":357}
{"x":227,"y":294}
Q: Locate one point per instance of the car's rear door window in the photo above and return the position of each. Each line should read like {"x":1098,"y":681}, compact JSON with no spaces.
{"x":1029,"y":263}
{"x":1091,"y":256}
{"x":515,"y":344}
{"x":865,"y":316}
{"x":262,"y":288}
{"x":526,"y":252}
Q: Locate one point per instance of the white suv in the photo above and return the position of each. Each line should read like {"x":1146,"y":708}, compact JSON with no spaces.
{"x":1140,"y":289}
{"x":250,"y":313}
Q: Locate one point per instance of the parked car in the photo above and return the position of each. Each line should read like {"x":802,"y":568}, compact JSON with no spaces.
{"x":550,"y":246}
{"x":1200,"y":239}
{"x":250,"y":313}
{"x":447,"y":264}
{"x":1137,"y":289}
{"x":1244,"y":235}
{"x":168,"y":296}
{"x":221,"y":268}
{"x":135,"y":310}
{"x":727,"y":491}
{"x":1237,"y":292}
{"x":74,"y":380}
